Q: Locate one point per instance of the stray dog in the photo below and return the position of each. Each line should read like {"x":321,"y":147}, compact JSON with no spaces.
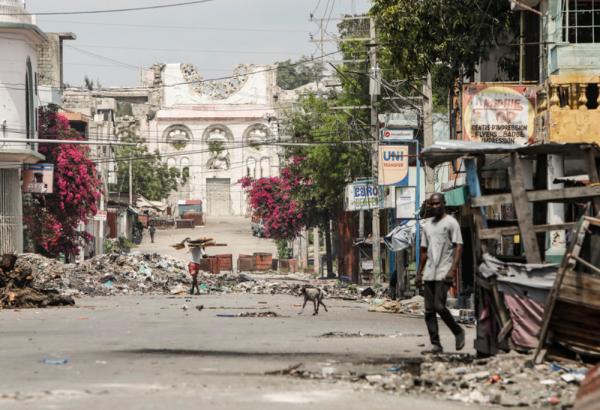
{"x":316,"y":295}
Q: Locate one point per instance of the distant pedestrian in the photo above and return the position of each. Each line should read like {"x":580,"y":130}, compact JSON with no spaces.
{"x":194,"y":267}
{"x":152,"y":232}
{"x":441,"y":249}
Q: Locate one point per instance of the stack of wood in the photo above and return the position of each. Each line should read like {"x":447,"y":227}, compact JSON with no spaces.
{"x":197,"y":243}
{"x":18,"y":291}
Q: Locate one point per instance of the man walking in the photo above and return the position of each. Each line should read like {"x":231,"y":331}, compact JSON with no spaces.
{"x":152,"y":232}
{"x":441,"y":249}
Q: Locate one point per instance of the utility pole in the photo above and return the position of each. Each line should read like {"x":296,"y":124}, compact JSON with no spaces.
{"x":316,"y":251}
{"x":428,"y":131}
{"x":130,"y":183}
{"x":375,"y":155}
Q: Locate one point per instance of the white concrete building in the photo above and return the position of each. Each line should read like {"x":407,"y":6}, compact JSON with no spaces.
{"x":19,"y":101}
{"x":206,"y":129}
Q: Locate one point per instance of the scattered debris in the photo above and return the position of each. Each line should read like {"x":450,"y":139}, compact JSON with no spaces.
{"x":17,"y":288}
{"x":48,"y":361}
{"x":258,"y":314}
{"x":200,"y":307}
{"x":284,"y":371}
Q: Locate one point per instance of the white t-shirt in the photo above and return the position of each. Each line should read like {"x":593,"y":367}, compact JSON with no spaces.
{"x":439,"y":239}
{"x":196,"y":254}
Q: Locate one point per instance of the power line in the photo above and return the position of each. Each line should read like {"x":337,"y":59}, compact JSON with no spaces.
{"x":178,"y":27}
{"x":188,"y":50}
{"x":110,"y":11}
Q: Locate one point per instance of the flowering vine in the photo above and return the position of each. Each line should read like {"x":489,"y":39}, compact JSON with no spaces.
{"x":271,"y":198}
{"x":53,"y":219}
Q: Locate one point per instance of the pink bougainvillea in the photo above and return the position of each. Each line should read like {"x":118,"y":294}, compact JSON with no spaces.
{"x":54,"y":218}
{"x":271,"y":199}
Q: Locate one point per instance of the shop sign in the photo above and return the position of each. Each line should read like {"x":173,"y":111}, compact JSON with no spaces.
{"x":38,"y":178}
{"x":397,"y":134}
{"x":393,"y":165}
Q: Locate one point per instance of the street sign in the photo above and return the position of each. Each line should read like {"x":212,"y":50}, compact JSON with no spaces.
{"x":38,"y":178}
{"x":391,"y":135}
{"x":393,"y":165}
{"x":100,"y":216}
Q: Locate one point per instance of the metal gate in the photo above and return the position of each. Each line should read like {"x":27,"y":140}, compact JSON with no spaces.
{"x":11,"y":212}
{"x":218,"y":196}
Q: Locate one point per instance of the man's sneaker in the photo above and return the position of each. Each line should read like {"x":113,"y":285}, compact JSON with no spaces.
{"x":460,"y":341}
{"x":433,"y":349}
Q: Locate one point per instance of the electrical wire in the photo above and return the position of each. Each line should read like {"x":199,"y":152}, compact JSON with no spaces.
{"x":110,"y":11}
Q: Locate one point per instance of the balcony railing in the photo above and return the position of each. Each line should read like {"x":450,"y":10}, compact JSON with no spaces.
{"x":12,"y":11}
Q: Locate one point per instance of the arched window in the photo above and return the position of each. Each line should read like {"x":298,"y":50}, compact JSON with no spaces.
{"x":265,"y":168}
{"x":178,"y":136}
{"x":171,"y":162}
{"x":251,"y":167}
{"x":29,"y":101}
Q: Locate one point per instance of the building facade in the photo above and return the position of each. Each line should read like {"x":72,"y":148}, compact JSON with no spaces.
{"x":19,"y":102}
{"x":212,"y":131}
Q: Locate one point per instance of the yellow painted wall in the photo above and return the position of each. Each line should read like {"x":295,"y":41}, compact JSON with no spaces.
{"x":574,"y":126}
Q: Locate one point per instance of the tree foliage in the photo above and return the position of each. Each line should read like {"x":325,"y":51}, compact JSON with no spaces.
{"x":450,"y":34}
{"x":293,"y":75}
{"x":123,"y":109}
{"x":53,"y":219}
{"x":152,"y":178}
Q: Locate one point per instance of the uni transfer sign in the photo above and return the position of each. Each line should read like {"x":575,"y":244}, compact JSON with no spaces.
{"x":500,"y":114}
{"x":393,"y":165}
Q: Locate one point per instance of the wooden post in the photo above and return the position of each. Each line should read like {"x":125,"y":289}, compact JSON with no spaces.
{"x":478,"y":213}
{"x":540,"y":209}
{"x":589,"y":154}
{"x":525,"y":219}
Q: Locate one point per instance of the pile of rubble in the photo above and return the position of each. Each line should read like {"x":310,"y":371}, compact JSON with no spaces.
{"x":138,"y":273}
{"x":17,"y":288}
{"x":509,"y":379}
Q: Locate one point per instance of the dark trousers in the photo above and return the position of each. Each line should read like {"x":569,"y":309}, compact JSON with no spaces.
{"x":152,"y":237}
{"x":436,"y":293}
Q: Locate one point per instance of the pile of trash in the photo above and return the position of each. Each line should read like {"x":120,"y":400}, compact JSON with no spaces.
{"x":138,"y":273}
{"x":509,"y":379}
{"x":415,"y":305}
{"x":17,"y":288}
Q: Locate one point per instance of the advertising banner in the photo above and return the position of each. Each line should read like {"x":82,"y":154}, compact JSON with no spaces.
{"x":393,"y":165}
{"x":38,"y":178}
{"x":101,"y":216}
{"x":397,"y":134}
{"x":405,"y":203}
{"x":500,"y":114}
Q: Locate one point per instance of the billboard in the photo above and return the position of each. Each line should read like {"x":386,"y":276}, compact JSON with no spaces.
{"x":393,"y":165}
{"x":38,"y":178}
{"x":500,"y":114}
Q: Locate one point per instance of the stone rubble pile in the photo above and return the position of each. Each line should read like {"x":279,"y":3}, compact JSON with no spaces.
{"x":510,"y":380}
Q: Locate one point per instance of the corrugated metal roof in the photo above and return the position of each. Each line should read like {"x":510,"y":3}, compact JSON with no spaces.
{"x":448,"y":150}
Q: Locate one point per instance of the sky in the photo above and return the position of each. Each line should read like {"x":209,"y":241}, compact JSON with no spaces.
{"x":215,"y":36}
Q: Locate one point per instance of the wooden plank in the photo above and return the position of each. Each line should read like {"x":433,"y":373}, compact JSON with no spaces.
{"x":582,"y":341}
{"x":483,"y":283}
{"x":540,"y":209}
{"x":505,"y":330}
{"x":585,"y":297}
{"x":517,"y":187}
{"x":589,"y":155}
{"x":502,"y":311}
{"x":514,"y":230}
{"x":588,"y":265}
{"x":552,"y":195}
{"x":574,"y":248}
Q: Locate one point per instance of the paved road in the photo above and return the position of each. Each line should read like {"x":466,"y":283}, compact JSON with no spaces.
{"x":233,"y":230}
{"x":145,"y":352}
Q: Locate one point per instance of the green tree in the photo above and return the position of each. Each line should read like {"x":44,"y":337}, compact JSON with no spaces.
{"x":454,"y":35}
{"x":293,"y":75}
{"x":89,"y":84}
{"x":151,"y":177}
{"x":123,"y":109}
{"x":324,"y":168}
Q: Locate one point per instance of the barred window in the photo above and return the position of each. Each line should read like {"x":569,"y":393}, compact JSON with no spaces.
{"x":581,"y":21}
